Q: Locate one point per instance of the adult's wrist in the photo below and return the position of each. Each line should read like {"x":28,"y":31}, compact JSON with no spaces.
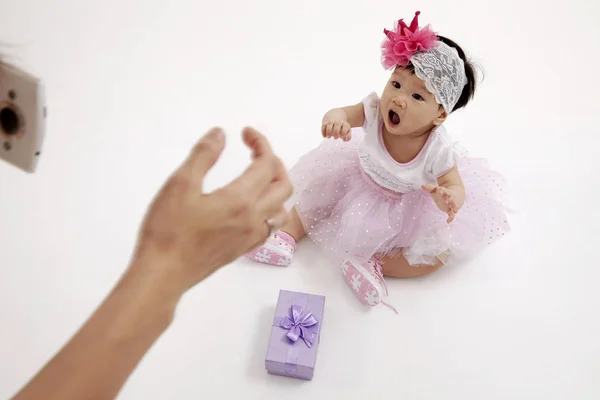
{"x":155,"y":279}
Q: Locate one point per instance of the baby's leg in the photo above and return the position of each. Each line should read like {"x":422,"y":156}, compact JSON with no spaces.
{"x":397,"y":267}
{"x":280,"y":247}
{"x":366,"y":280}
{"x":294,"y":226}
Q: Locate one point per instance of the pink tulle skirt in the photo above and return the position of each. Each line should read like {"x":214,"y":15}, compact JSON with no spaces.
{"x":349,"y":215}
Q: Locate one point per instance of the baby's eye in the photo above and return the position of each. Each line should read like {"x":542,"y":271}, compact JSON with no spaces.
{"x":396,"y":85}
{"x":417,"y":96}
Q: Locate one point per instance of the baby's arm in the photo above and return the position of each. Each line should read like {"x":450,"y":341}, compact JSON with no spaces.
{"x":452,"y":181}
{"x":449,"y":195}
{"x":353,"y":115}
{"x":337,"y":122}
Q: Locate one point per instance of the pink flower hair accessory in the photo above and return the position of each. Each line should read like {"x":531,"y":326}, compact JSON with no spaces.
{"x":404,"y":41}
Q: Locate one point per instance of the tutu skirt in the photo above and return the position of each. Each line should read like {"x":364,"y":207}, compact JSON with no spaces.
{"x":349,"y":215}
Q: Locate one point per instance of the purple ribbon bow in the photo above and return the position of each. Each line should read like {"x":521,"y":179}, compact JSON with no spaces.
{"x":298,"y":325}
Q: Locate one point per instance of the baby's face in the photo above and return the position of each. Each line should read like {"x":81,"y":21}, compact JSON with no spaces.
{"x":407,"y":107}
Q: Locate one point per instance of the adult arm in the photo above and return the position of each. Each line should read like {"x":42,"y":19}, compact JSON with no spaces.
{"x":186,"y":235}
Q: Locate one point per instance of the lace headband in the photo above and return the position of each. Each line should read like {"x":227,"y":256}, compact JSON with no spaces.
{"x":436,"y":63}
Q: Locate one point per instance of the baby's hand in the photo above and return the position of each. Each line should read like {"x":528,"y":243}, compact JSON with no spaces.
{"x":337,"y":130}
{"x":444,"y":199}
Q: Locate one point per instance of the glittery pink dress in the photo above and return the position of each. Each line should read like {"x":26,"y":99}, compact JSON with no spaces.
{"x":354,"y":200}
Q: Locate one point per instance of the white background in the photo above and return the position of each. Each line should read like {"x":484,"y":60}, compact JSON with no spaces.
{"x":131,"y":86}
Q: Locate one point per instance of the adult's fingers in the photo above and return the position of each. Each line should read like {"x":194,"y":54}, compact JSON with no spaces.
{"x":278,"y":218}
{"x":274,"y":223}
{"x":274,"y":197}
{"x":264,"y":168}
{"x":204,"y":155}
{"x":257,"y":142}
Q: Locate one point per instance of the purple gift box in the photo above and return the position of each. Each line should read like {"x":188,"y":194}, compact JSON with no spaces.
{"x":295,"y":335}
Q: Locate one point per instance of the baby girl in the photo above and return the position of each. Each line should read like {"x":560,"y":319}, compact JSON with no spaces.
{"x":388,"y":191}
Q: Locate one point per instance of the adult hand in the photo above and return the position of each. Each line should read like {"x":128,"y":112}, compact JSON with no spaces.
{"x":188,"y":233}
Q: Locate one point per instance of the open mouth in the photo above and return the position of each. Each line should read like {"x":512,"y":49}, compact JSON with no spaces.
{"x":394,"y":118}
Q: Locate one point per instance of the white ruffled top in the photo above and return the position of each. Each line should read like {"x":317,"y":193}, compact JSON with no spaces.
{"x":438,"y":155}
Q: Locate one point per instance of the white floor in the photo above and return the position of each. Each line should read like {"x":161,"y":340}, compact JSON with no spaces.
{"x":133,"y":83}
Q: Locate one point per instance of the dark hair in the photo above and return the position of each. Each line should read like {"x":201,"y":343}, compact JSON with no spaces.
{"x":469,"y":89}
